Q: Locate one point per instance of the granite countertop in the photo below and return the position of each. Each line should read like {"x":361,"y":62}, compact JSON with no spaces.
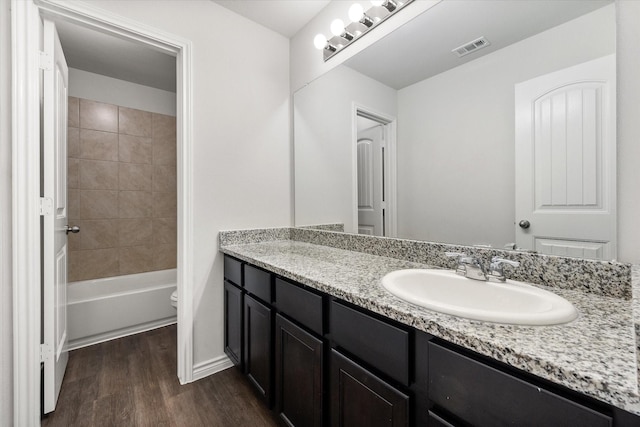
{"x":595,"y":354}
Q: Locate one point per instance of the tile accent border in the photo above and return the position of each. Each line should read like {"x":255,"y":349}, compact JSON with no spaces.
{"x":604,"y":278}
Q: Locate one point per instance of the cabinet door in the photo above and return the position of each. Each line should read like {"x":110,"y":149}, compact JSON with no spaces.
{"x":359,"y":398}
{"x":233,"y":323}
{"x":257,"y":346}
{"x":298,"y":375}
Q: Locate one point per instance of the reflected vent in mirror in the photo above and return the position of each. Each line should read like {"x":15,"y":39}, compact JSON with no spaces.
{"x":470,"y":47}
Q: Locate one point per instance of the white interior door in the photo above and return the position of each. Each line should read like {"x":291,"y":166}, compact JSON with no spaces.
{"x":54,"y":298}
{"x":566,"y":161}
{"x":371,"y":209}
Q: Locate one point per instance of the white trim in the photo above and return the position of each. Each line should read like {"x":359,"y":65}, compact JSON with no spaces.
{"x":391,"y":176}
{"x":120,"y":333}
{"x":26,"y":185}
{"x":25,"y":151}
{"x":211,"y":366}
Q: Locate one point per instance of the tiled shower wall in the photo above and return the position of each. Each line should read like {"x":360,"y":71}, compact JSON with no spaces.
{"x":122,"y":190}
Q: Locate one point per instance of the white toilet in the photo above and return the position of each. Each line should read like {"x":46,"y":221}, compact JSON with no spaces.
{"x":174,"y":299}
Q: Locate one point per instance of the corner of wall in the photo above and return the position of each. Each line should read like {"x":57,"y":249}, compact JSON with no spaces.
{"x":6,"y":307}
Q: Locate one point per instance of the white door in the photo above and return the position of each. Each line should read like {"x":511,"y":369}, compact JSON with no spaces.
{"x":566,"y":161}
{"x":371,"y":209}
{"x":54,"y":298}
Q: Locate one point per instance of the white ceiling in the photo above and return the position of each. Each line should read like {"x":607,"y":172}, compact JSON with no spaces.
{"x":422,"y":48}
{"x":99,"y":53}
{"x":286,"y":17}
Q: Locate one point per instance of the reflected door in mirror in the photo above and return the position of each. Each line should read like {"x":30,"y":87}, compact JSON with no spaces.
{"x":565,"y":161}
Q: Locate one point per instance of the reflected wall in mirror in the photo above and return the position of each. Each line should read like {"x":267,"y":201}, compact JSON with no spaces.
{"x":452,"y":122}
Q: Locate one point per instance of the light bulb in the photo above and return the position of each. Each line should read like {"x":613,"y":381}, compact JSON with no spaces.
{"x":356,"y":12}
{"x":320,"y":41}
{"x":337,"y":27}
{"x":377,"y":2}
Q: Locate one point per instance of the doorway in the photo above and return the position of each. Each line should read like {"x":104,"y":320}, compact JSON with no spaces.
{"x":375,"y":173}
{"x":26,"y":146}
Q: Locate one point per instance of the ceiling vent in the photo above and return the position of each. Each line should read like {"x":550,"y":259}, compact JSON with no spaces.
{"x":470,"y":47}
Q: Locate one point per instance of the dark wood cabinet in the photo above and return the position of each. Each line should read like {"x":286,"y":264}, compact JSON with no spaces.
{"x":321,"y":361}
{"x":233,"y":321}
{"x":359,"y":398}
{"x":258,"y":341}
{"x":483,"y":396}
{"x":299,"y":375}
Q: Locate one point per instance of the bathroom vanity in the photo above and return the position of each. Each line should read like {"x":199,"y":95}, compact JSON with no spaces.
{"x":325,"y":344}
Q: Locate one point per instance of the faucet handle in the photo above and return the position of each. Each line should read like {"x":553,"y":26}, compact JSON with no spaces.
{"x":495,"y":268}
{"x":497,"y":261}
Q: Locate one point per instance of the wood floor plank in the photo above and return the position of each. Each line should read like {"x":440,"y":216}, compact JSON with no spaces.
{"x":132,"y":381}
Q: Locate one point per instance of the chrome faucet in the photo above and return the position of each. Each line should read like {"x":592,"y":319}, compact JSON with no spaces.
{"x":468,"y":266}
{"x":496,"y":271}
{"x":472,"y":268}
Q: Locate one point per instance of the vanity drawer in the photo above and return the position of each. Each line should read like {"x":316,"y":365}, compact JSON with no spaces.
{"x":380,"y":344}
{"x":481,"y":395}
{"x":301,"y":305}
{"x":258,"y":282}
{"x":233,"y":270}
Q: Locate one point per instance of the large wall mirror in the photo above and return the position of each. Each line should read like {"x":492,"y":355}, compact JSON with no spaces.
{"x":477,"y":123}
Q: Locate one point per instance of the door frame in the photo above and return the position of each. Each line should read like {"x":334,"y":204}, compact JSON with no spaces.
{"x":26,"y":174}
{"x":389,"y":125}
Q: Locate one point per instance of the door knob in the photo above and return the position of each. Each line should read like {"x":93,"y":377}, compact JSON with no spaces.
{"x":74,"y":229}
{"x":524,"y":224}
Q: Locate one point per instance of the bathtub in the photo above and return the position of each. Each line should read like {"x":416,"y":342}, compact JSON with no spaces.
{"x":104,"y":309}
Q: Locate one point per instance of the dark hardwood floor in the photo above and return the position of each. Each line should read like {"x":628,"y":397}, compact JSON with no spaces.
{"x":132,"y":381}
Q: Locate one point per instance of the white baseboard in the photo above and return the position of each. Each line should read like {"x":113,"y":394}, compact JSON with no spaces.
{"x":211,"y":366}
{"x":124,"y":332}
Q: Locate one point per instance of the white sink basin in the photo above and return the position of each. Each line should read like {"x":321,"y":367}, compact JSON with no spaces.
{"x":511,"y":302}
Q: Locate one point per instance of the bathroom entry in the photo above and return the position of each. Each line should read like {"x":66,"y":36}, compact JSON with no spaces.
{"x":109,"y":164}
{"x":374,"y":180}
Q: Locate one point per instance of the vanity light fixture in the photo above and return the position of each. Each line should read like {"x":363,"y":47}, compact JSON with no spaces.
{"x":361,"y":23}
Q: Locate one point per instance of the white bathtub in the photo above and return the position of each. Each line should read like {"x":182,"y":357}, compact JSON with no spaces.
{"x":103,"y":309}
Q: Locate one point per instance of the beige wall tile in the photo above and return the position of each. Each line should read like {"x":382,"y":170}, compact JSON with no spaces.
{"x":136,"y":259}
{"x":164,"y":204}
{"x":73,"y":204}
{"x":164,"y":151}
{"x":135,"y":177}
{"x":98,"y":204}
{"x":97,"y":175}
{"x":73,"y":142}
{"x":134,"y":232}
{"x":163,"y":126}
{"x":98,"y":116}
{"x":165,"y":230}
{"x":134,"y":149}
{"x":135,"y":204}
{"x":98,"y":145}
{"x":72,"y":173}
{"x":164,"y":257}
{"x":125,"y":227}
{"x":94,"y":234}
{"x":164,"y":178}
{"x":73,"y":115}
{"x":92,"y":264}
{"x":134,"y":122}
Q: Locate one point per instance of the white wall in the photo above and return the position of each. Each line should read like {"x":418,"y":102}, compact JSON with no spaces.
{"x":456,"y":134}
{"x":6,"y":303}
{"x":306,"y":61}
{"x":324,"y":137}
{"x":83,"y":84}
{"x":241,"y":117}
